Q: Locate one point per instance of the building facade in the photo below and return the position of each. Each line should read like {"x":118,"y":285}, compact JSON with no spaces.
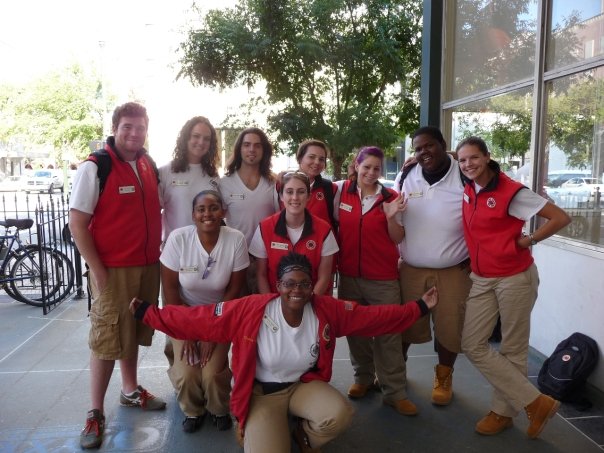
{"x":528,"y":77}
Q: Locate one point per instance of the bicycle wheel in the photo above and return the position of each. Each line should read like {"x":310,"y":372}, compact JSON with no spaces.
{"x":10,"y":260}
{"x":27,"y":278}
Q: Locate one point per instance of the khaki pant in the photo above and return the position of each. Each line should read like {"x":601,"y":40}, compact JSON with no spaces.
{"x":198,"y":389}
{"x":324,"y":410}
{"x":453,"y":284}
{"x":378,"y":356}
{"x":114,"y":333}
{"x":513,"y":299}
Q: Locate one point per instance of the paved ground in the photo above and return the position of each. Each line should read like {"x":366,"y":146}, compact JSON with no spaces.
{"x":44,"y":379}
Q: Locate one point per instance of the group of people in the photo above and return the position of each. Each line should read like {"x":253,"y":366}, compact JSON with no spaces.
{"x":448,"y":241}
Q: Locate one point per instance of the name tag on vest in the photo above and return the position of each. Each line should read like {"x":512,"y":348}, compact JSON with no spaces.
{"x":126,"y":189}
{"x":279,"y":245}
{"x":346,"y":207}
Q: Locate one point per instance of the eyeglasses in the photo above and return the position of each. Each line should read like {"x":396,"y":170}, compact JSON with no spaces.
{"x":206,"y":273}
{"x":290,"y":284}
{"x":296,"y":173}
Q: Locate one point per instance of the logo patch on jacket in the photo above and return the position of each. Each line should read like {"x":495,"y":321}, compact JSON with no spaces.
{"x":320,"y":196}
{"x":491,"y":202}
{"x":311,"y":245}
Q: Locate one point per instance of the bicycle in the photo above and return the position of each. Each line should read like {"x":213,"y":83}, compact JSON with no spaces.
{"x":30,"y":273}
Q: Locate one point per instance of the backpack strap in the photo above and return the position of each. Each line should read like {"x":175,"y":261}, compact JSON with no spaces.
{"x":406,"y":170}
{"x":329,"y":196}
{"x":102,"y":159}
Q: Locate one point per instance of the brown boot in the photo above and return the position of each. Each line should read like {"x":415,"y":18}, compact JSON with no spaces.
{"x":358,"y":390}
{"x":442,"y":393}
{"x":539,"y":412}
{"x":492,"y":424}
{"x":403,"y":407}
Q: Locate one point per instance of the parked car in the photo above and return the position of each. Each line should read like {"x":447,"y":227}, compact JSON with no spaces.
{"x":12,"y":183}
{"x":44,"y":181}
{"x":577,"y":192}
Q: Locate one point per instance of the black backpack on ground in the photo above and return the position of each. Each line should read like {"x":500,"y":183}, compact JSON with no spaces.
{"x":564,"y":373}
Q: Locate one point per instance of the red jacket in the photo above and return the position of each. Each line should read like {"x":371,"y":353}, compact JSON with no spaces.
{"x":277,"y":243}
{"x":126,"y":224}
{"x":490,"y":232}
{"x":366,"y":249}
{"x":238,"y":321}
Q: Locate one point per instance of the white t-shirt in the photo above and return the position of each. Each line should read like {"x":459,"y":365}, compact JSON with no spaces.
{"x":433,"y":220}
{"x":176,"y":193}
{"x":258,"y":249}
{"x":183,"y":253}
{"x":245,"y":207}
{"x":525,"y":204}
{"x":284,"y":352}
{"x":85,"y":188}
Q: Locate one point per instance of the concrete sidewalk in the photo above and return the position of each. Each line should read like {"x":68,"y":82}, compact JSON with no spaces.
{"x":44,"y":396}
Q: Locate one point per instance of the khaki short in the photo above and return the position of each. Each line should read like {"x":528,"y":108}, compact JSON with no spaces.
{"x":453,"y":284}
{"x":114,"y":333}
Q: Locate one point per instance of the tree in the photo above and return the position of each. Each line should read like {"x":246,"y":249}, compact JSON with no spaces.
{"x":62,"y":108}
{"x":344,"y":71}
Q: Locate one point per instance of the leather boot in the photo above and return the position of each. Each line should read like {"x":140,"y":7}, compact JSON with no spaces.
{"x":442,"y":392}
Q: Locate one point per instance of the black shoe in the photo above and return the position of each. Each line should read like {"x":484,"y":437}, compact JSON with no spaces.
{"x":222,"y":422}
{"x":192,"y":424}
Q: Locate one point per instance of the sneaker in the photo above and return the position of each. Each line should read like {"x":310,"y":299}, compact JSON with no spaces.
{"x":222,"y":422}
{"x":539,"y":412}
{"x":493,"y":423}
{"x":302,"y":440}
{"x":442,"y":392}
{"x":403,"y":407}
{"x":192,"y":424}
{"x":92,"y":434}
{"x":143,"y":399}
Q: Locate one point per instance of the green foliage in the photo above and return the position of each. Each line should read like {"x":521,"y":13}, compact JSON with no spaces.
{"x":344,"y":71}
{"x":61,"y":108}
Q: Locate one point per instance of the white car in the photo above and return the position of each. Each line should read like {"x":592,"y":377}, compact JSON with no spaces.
{"x":44,"y":181}
{"x":577,"y":192}
{"x":12,"y":183}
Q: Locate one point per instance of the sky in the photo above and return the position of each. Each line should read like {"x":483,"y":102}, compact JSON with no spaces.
{"x":132,"y":43}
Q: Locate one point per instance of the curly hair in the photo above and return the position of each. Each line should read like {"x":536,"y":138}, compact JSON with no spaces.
{"x":235,"y":160}
{"x":209,"y":161}
{"x":433,"y":132}
{"x":293,"y":262}
{"x":131,"y":109}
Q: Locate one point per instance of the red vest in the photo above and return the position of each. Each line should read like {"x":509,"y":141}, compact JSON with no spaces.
{"x":126,"y":224}
{"x":490,"y":232}
{"x":366,"y":249}
{"x":277,"y":243}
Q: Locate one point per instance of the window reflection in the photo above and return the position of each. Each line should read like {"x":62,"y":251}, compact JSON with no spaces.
{"x":494,"y":44}
{"x":575,"y":35}
{"x":504,"y":122}
{"x":573,"y":162}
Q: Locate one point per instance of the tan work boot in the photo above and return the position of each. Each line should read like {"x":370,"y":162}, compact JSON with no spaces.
{"x":403,"y":407}
{"x":358,"y":390}
{"x":442,"y":393}
{"x":492,"y":424}
{"x":539,"y":412}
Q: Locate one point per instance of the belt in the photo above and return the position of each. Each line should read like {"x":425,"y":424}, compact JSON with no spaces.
{"x":273,"y":387}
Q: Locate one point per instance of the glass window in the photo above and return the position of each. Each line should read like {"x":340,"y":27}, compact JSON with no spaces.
{"x":504,"y":122}
{"x":573,"y":162}
{"x":575,"y":32}
{"x":494,"y":45}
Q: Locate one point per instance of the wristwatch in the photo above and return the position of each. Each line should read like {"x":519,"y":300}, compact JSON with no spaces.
{"x":533,"y":240}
